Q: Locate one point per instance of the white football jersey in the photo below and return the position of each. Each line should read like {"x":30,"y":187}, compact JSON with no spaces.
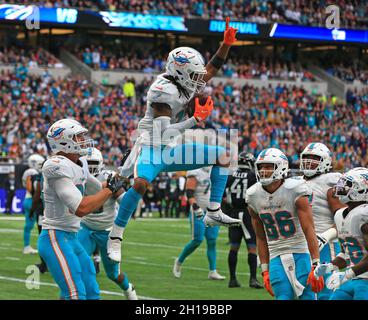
{"x":202,"y":191}
{"x":322,"y":215}
{"x":103,"y":218}
{"x":28,"y":173}
{"x":279,"y":215}
{"x":163,"y":91}
{"x":350,"y":234}
{"x":57,"y":215}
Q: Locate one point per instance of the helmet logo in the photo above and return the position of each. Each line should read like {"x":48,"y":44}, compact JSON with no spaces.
{"x":57,"y":133}
{"x":311,"y":146}
{"x":181,"y":60}
{"x":263,"y":154}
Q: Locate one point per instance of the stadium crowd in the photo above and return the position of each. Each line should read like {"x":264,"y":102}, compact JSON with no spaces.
{"x":282,"y":117}
{"x":15,"y":55}
{"x":353,"y":12}
{"x":238,"y":66}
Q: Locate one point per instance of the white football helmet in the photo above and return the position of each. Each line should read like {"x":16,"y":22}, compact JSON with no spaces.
{"x":63,"y":136}
{"x":187,"y":66}
{"x":95,"y":161}
{"x":280,"y":166}
{"x":353,"y":186}
{"x":35,"y":161}
{"x":324,"y":164}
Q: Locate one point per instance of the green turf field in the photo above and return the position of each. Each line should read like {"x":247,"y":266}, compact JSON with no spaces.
{"x":149,"y":249}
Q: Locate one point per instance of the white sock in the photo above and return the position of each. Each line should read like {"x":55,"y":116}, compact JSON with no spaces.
{"x":117,"y":231}
{"x":214,"y":205}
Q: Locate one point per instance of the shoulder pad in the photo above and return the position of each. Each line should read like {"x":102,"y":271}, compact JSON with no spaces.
{"x":30,"y":172}
{"x":162,"y":92}
{"x":332,"y":178}
{"x":291,"y":183}
{"x":57,"y":167}
{"x":193,"y":173}
{"x":253,"y":189}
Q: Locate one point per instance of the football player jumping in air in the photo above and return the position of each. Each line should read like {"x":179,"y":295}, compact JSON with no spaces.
{"x":95,"y":227}
{"x":283,"y":222}
{"x":316,"y":165}
{"x":186,"y":76}
{"x":197,"y":189}
{"x":352,"y":229}
{"x":65,"y":178}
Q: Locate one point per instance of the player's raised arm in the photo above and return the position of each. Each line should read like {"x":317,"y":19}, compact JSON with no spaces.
{"x":220,"y":56}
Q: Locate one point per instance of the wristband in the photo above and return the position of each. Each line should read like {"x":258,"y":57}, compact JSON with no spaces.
{"x":315,"y":261}
{"x":195,"y":206}
{"x":264,"y":267}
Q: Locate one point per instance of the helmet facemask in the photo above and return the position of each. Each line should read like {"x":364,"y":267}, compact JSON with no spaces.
{"x":94,"y":167}
{"x":195,"y":82}
{"x":310,"y":165}
{"x":266,"y":176}
{"x":83,"y":144}
{"x":348,"y":190}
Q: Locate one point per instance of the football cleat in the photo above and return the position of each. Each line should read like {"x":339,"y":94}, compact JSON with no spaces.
{"x":234,"y":283}
{"x":177,"y":268}
{"x":114,"y":249}
{"x":253,"y":283}
{"x":218,"y":218}
{"x":42,"y":267}
{"x":130,"y":293}
{"x":214,"y":275}
{"x":29,"y":250}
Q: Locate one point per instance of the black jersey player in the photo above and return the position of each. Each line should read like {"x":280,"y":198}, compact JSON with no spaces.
{"x":237,"y":184}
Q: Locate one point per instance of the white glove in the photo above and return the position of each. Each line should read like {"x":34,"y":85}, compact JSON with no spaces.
{"x":322,"y":241}
{"x":324,"y":268}
{"x":339,"y":278}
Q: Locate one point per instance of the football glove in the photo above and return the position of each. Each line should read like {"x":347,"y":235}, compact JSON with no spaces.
{"x":202,"y":112}
{"x":321,"y":242}
{"x":316,"y":282}
{"x":114,"y":182}
{"x":324,"y":268}
{"x":339,"y":278}
{"x":267,"y":282}
{"x":229,"y":33}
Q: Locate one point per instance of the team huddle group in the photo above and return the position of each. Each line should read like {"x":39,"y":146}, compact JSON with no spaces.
{"x":304,"y":229}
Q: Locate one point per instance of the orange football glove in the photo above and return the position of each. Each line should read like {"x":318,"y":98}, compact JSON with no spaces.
{"x":202,"y":112}
{"x":267,"y":282}
{"x":229,"y":34}
{"x":316,"y":283}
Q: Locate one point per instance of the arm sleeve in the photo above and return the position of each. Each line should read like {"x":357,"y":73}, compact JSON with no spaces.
{"x":67,"y":192}
{"x":162,"y":123}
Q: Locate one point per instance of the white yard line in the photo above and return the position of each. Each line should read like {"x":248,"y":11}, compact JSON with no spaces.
{"x":133,"y":261}
{"x":12,"y":258}
{"x":111,"y":293}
